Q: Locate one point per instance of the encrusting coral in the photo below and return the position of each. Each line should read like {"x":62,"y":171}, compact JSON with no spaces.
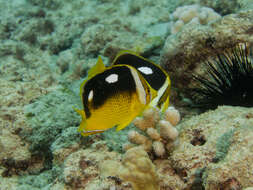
{"x":193,"y":14}
{"x":159,"y":129}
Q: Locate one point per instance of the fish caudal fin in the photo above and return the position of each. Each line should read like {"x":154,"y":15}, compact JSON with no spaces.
{"x":83,"y":123}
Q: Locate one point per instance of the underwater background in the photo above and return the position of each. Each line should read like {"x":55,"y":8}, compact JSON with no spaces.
{"x":46,"y":50}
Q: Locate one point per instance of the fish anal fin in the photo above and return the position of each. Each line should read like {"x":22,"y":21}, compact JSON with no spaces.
{"x":123,"y":125}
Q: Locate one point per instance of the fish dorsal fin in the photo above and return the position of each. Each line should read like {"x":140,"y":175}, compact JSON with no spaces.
{"x":98,"y":68}
{"x":124,"y":52}
{"x":120,"y":53}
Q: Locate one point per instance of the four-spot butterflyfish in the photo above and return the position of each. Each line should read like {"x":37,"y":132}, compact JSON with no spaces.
{"x":113,"y":96}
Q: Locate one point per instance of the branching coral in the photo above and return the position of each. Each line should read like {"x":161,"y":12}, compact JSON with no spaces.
{"x":193,"y":14}
{"x":159,"y":129}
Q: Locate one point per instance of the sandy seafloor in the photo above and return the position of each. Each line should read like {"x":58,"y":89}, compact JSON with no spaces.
{"x":46,"y":49}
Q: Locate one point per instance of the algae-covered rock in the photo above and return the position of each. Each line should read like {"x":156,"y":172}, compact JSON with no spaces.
{"x":81,"y":169}
{"x":223,"y":7}
{"x":53,"y":123}
{"x":219,"y":144}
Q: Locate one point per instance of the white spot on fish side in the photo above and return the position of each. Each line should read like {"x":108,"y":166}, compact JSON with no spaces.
{"x":145,"y":70}
{"x":112,"y":78}
{"x":90,"y":96}
{"x":139,"y":87}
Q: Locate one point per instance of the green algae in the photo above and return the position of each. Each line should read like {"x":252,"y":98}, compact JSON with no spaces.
{"x":223,"y":144}
{"x":53,"y":123}
{"x":43,"y":181}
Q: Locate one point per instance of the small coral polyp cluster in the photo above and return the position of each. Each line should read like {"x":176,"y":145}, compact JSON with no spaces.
{"x":159,"y":131}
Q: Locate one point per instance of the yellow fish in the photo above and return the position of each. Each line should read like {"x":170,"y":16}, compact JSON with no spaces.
{"x":112,"y":96}
{"x":155,"y":75}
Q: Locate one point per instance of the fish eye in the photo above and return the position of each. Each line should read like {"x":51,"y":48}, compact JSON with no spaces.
{"x":145,"y":70}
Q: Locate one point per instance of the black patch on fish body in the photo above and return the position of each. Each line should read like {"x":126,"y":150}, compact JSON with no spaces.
{"x":103,"y":87}
{"x":156,"y":79}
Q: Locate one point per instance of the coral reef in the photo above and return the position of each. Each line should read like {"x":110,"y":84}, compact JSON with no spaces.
{"x":160,"y":134}
{"x":46,"y":49}
{"x":46,"y":46}
{"x":192,"y":14}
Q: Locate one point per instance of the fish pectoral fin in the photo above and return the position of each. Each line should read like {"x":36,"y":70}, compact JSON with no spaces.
{"x":98,"y":68}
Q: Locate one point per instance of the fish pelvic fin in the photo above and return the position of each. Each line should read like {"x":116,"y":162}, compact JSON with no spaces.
{"x":87,"y":133}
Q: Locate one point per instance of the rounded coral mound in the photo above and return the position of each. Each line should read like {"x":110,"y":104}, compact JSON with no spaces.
{"x":193,"y":14}
{"x":139,"y":170}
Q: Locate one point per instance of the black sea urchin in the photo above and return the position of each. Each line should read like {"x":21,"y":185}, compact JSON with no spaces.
{"x":229,"y":80}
